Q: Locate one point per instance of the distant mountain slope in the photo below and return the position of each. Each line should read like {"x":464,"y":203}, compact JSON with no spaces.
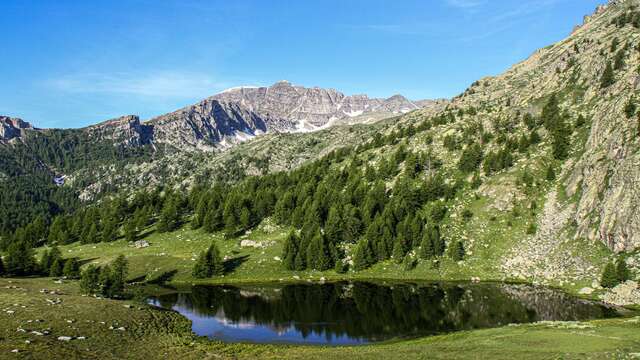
{"x":312,"y":108}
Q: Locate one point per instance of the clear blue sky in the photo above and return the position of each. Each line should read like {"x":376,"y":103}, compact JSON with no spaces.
{"x":70,"y":63}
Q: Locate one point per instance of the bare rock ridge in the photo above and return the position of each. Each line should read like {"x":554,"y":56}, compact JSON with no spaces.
{"x":312,"y":108}
{"x":211,"y":123}
{"x":11,"y":128}
{"x":126,"y":130}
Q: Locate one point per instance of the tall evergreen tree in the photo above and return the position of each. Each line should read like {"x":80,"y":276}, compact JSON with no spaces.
{"x":290,"y":250}
{"x":2,"y":269}
{"x":71,"y":268}
{"x":550,"y":173}
{"x":457,"y":251}
{"x":209,"y":263}
{"x":363,"y":257}
{"x":56,"y":268}
{"x":622,"y":271}
{"x":352,"y":224}
{"x":20,"y":259}
{"x":618,"y":63}
{"x":110,"y":229}
{"x":608,"y":77}
{"x":170,"y":216}
{"x":427,"y":250}
{"x":609,"y":277}
{"x":130,"y":230}
{"x":319,"y":254}
{"x":333,"y":228}
{"x":119,"y":273}
{"x":90,"y":280}
{"x":92,"y":235}
{"x":58,"y":233}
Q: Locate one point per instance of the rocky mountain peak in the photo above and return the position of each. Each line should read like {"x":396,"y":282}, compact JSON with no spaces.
{"x":312,"y":108}
{"x":11,"y":128}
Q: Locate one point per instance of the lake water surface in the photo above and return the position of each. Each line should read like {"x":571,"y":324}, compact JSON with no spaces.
{"x":361,"y":312}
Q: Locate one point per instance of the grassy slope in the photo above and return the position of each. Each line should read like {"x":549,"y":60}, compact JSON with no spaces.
{"x":152,"y":334}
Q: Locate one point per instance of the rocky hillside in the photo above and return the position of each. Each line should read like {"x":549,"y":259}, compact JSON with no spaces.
{"x":603,"y":177}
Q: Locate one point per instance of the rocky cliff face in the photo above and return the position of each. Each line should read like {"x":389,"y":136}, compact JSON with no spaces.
{"x":212,"y":123}
{"x":312,"y":108}
{"x":11,"y":128}
{"x":127,"y":130}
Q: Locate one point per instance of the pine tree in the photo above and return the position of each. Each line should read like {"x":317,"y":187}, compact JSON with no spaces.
{"x":45,"y":261}
{"x":622,"y":271}
{"x":427,"y":250}
{"x":318,"y":253}
{"x":2,"y":269}
{"x":56,"y":268}
{"x":200,"y":270}
{"x":607,"y":78}
{"x":105,"y":282}
{"x":90,"y":280}
{"x":110,"y":229}
{"x":352,"y":224}
{"x":290,"y":250}
{"x":92,"y":235}
{"x":245,"y":218}
{"x":550,"y":173}
{"x":333,"y":228}
{"x":58,"y":231}
{"x":169,"y":217}
{"x":630,"y":108}
{"x":457,"y":251}
{"x":209,"y":263}
{"x":409,"y":263}
{"x":363,"y":257}
{"x":283,"y":208}
{"x":20,"y":259}
{"x":433,"y":233}
{"x":580,"y":121}
{"x":71,"y":268}
{"x":130,"y":231}
{"x":200,"y":213}
{"x":619,"y":60}
{"x":470,"y":159}
{"x":119,"y":272}
{"x":609,"y":276}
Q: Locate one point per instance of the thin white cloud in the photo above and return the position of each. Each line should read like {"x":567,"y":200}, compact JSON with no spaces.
{"x":465,"y":4}
{"x":173,"y":84}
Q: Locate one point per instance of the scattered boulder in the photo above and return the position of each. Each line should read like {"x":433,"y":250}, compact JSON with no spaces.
{"x":65,"y":338}
{"x":586,"y":291}
{"x":627,"y":293}
{"x":140,"y":244}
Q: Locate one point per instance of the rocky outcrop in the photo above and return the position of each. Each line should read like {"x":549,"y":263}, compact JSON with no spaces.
{"x":11,"y":128}
{"x":126,"y":130}
{"x":211,"y":123}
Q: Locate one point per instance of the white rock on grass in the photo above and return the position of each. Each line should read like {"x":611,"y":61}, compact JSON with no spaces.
{"x":585,"y":291}
{"x":65,"y":338}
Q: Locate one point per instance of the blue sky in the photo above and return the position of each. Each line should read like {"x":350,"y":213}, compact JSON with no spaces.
{"x":71,"y":63}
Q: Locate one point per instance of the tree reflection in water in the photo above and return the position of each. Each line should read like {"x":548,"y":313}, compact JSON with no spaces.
{"x":360,"y":312}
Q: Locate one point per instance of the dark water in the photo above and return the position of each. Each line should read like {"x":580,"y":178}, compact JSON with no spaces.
{"x":362,"y":312}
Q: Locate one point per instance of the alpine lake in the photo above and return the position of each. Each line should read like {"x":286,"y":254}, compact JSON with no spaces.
{"x":353,"y":313}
